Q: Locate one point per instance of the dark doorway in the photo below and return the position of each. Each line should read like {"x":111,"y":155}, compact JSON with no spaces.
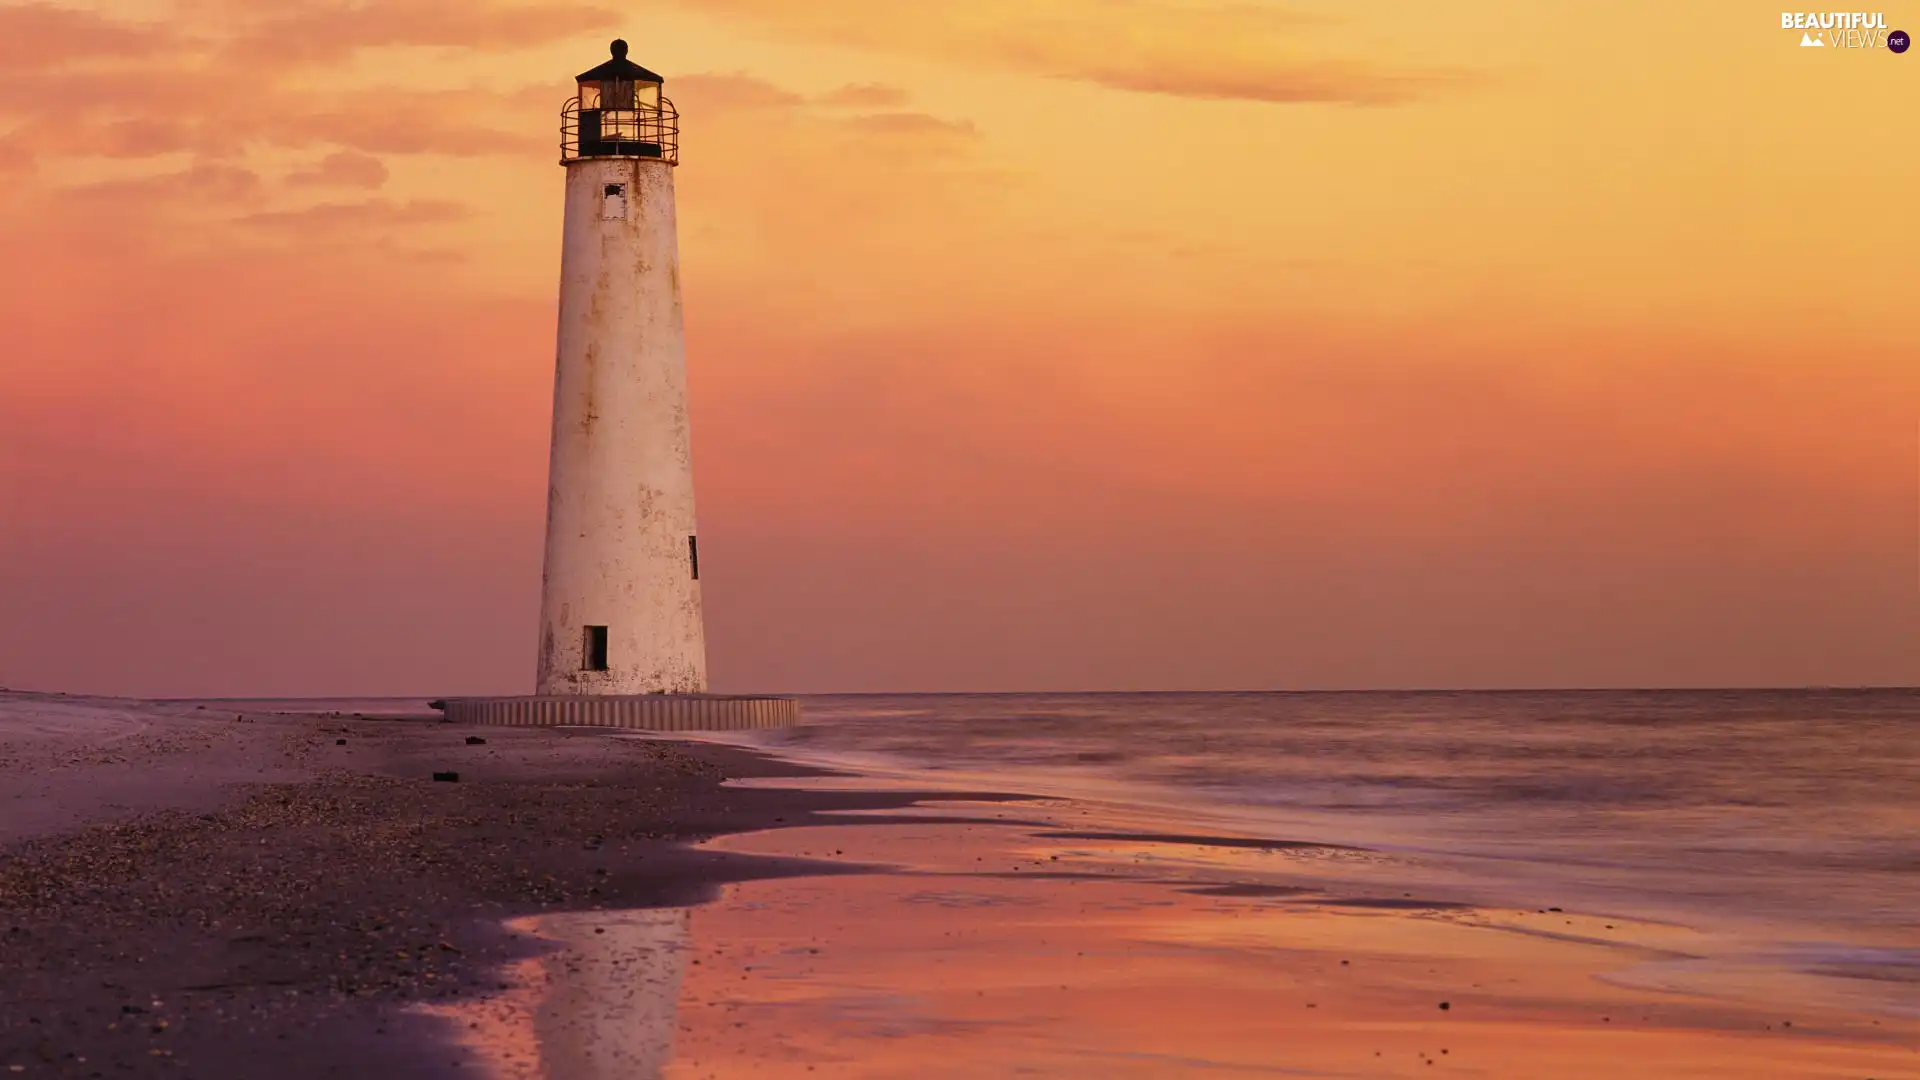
{"x":596,"y":652}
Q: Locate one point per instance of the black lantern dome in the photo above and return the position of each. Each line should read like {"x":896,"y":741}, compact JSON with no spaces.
{"x":619,"y":112}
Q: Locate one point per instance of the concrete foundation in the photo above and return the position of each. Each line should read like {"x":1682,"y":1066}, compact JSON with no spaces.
{"x":640,"y":712}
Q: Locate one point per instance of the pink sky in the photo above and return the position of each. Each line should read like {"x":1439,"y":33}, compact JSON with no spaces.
{"x":1152,"y":345}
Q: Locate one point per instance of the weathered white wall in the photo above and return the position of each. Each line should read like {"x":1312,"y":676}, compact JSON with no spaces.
{"x":620,"y":495}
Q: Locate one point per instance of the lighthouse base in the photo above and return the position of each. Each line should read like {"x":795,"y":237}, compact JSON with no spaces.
{"x":639,"y":712}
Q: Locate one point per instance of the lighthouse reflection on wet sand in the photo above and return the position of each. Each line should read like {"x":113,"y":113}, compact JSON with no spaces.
{"x":620,"y":608}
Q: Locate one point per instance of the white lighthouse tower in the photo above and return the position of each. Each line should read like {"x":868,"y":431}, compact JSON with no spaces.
{"x":620,"y":598}
{"x":622,"y":640}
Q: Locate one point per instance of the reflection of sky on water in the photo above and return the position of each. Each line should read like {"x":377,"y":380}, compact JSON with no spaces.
{"x":601,"y":1005}
{"x":988,"y":950}
{"x":609,"y":1012}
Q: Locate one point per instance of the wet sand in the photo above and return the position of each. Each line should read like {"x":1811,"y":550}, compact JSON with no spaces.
{"x":1040,"y":947}
{"x":194,"y":895}
{"x":944,"y":972}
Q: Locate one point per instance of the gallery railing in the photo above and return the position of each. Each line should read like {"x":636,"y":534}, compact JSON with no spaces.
{"x":647,"y":133}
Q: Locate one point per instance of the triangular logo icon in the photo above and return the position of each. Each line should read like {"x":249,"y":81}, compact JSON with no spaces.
{"x":1808,"y":41}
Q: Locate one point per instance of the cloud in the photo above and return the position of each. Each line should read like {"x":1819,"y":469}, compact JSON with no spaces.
{"x":80,"y":135}
{"x":203,"y":183}
{"x":455,"y":123}
{"x":866,"y":96}
{"x":333,"y":218}
{"x":851,"y":191}
{"x":147,"y":113}
{"x":14,"y":159}
{"x":1235,"y":51}
{"x":81,"y":84}
{"x":326,"y":33}
{"x":343,"y":168}
{"x":911,"y":124}
{"x":38,"y":37}
{"x":712,"y":95}
{"x":1333,"y":83}
{"x":731,"y":91}
{"x":1306,"y":83}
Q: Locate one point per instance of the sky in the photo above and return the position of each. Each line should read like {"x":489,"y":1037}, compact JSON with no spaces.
{"x":1032,"y":344}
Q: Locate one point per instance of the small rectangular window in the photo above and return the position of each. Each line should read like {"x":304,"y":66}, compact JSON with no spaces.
{"x":613,"y":203}
{"x":596,"y":649}
{"x":693,"y":555}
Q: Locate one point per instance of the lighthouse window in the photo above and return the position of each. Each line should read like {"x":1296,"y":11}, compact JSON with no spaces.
{"x":613,"y":204}
{"x":693,"y":555}
{"x":596,"y":649}
{"x":616,"y":94}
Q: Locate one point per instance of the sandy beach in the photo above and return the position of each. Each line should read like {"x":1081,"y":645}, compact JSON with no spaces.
{"x":225,"y":891}
{"x":222,"y":892}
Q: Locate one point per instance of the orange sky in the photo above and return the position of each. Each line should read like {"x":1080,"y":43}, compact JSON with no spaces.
{"x":1033,"y":343}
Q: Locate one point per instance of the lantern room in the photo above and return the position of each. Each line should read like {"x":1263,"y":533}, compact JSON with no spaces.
{"x":619,"y":112}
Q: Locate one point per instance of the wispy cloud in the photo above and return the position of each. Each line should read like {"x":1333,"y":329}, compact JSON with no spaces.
{"x":39,"y":37}
{"x":206,"y":182}
{"x":866,"y":96}
{"x":331,"y":218}
{"x":1348,"y":83}
{"x":737,"y":90}
{"x":83,"y":84}
{"x":1237,"y":51}
{"x":327,"y":32}
{"x":14,"y":158}
{"x":911,"y":123}
{"x":343,"y":168}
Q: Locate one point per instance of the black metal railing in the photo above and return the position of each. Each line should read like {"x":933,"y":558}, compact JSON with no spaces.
{"x":643,"y":132}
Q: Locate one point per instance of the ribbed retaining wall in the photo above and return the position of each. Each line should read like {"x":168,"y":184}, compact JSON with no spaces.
{"x":645,"y":712}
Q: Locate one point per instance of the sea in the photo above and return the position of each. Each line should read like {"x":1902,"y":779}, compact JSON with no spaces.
{"x":1783,"y":823}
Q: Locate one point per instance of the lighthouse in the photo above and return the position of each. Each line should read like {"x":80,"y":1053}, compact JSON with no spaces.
{"x":622,"y":637}
{"x":620,"y":608}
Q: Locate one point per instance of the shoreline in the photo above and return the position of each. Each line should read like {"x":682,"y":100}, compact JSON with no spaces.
{"x":994,"y":943}
{"x":585,"y":904}
{"x":250,"y":890}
